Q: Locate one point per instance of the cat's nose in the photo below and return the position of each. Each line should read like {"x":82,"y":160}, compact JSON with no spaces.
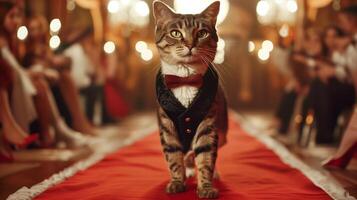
{"x":190,"y":47}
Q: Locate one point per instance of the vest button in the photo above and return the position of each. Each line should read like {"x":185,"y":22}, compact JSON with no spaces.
{"x":187,"y":119}
{"x":188,"y":130}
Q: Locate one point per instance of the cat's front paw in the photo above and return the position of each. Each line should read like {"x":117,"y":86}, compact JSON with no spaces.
{"x":207,"y":193}
{"x":175,"y":187}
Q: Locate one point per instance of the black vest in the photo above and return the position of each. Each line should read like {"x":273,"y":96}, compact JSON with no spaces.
{"x":186,"y":120}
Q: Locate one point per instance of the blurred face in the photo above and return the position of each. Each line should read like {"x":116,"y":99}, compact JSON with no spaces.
{"x":330,"y":38}
{"x":341,"y":43}
{"x":346,"y":23}
{"x":312,"y":44}
{"x":35,"y":30}
{"x":13,"y":20}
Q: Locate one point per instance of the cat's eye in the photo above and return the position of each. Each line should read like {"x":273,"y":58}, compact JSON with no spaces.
{"x":202,"y":34}
{"x":176,"y":34}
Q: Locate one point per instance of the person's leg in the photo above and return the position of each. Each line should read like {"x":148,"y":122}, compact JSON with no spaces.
{"x":63,"y":132}
{"x":285,"y":110}
{"x":11,"y":130}
{"x":61,"y":104}
{"x":71,"y":97}
{"x":90,"y":96}
{"x":43,"y":109}
{"x":106,"y":117}
{"x":323,"y":111}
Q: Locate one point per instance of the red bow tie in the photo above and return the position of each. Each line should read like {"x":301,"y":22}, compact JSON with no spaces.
{"x":173,"y":81}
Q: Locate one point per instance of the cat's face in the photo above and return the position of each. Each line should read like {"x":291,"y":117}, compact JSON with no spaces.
{"x":186,"y":39}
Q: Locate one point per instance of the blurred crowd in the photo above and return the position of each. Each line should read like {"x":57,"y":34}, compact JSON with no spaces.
{"x":48,"y":98}
{"x":319,"y":98}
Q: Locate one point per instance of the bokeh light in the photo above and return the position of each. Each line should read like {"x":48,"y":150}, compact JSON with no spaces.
{"x":263,"y":54}
{"x":147,"y":55}
{"x":291,"y":5}
{"x":55,"y":25}
{"x":109,"y":47}
{"x":22,"y":33}
{"x":263,"y":8}
{"x":55,"y":42}
{"x":251,"y":46}
{"x":140,"y":46}
{"x":268,"y":45}
{"x":113,"y":6}
{"x":142,"y":8}
{"x":284,"y":31}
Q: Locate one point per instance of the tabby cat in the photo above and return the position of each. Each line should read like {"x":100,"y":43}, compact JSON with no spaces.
{"x":192,"y":111}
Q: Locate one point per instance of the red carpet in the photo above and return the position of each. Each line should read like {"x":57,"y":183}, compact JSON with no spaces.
{"x":248,"y":171}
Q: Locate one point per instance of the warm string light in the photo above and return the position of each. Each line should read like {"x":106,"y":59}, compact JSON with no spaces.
{"x":140,"y":46}
{"x":284,"y":31}
{"x":264,"y":52}
{"x":146,"y":53}
{"x":113,"y":6}
{"x":109,"y":47}
{"x":291,"y":5}
{"x":263,"y":8}
{"x":268,"y":45}
{"x":22,"y":33}
{"x":251,"y":46}
{"x":54,"y":42}
{"x":141,"y":8}
{"x":55,"y":27}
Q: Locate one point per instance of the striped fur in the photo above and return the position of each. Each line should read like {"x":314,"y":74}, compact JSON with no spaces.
{"x":194,"y":47}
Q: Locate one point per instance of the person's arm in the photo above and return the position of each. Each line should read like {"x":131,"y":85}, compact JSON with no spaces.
{"x":311,"y":63}
{"x":326,"y":70}
{"x":10,"y":59}
{"x":351,"y":58}
{"x":61,"y":62}
{"x":2,"y":42}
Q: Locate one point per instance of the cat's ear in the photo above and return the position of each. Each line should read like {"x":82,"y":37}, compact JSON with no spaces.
{"x":211,"y":12}
{"x":162,"y":11}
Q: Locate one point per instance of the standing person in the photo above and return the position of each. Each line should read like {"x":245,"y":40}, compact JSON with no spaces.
{"x":304,"y":72}
{"x":87,"y":72}
{"x":285,"y":109}
{"x":10,"y":76}
{"x":347,"y":71}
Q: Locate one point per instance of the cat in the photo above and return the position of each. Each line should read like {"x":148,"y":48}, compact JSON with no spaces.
{"x":192,"y":110}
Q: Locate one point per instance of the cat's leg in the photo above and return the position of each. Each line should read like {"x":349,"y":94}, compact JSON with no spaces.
{"x":173,"y":154}
{"x":205,"y":148}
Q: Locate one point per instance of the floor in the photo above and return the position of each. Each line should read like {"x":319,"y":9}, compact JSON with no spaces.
{"x":44,"y":163}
